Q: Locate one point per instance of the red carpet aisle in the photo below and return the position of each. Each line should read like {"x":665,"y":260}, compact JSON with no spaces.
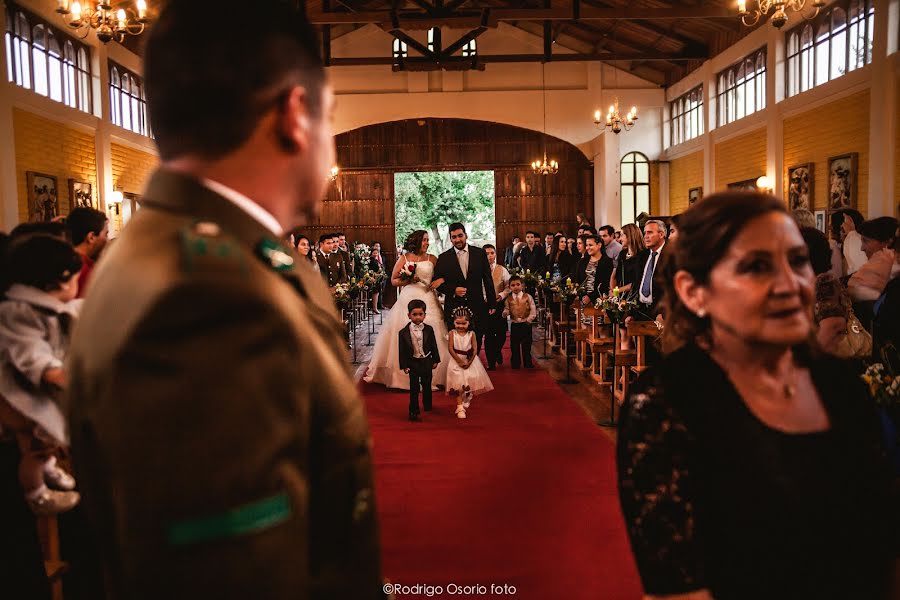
{"x":522,"y":492}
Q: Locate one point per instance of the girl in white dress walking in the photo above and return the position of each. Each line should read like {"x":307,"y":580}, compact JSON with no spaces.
{"x":466,"y":376}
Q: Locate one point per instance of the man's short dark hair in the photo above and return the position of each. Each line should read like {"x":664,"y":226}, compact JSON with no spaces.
{"x":414,"y":304}
{"x":82,"y":221}
{"x":590,"y":230}
{"x":550,"y":233}
{"x":491,"y":246}
{"x":515,"y":278}
{"x":457,"y":227}
{"x":208,"y":82}
{"x":340,"y":233}
{"x":42,"y":261}
{"x":54,"y":228}
{"x":608,"y":229}
{"x":516,"y":237}
{"x":325,"y":236}
{"x":534,"y":233}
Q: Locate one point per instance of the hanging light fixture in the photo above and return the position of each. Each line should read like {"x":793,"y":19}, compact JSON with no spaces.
{"x":542,"y":167}
{"x":779,"y":17}
{"x":614,"y":122}
{"x":108,"y":23}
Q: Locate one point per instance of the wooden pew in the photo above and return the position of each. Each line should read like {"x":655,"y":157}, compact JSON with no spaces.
{"x":633,"y":361}
{"x":580,"y":334}
{"x":598,"y":342}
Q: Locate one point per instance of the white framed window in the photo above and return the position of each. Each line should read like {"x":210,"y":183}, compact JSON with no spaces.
{"x":634,"y":186}
{"x":127,"y":100}
{"x":837,"y":42}
{"x":399,"y":50}
{"x":741,"y":88}
{"x":470,"y":49}
{"x":687,"y":116}
{"x":43,"y":59}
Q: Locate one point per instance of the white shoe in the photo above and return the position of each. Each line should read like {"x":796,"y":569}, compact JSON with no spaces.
{"x":56,"y":477}
{"x":460,"y":412}
{"x":467,"y":399}
{"x":45,"y":503}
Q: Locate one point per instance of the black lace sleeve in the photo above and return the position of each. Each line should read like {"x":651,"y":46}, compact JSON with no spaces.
{"x":656,"y":493}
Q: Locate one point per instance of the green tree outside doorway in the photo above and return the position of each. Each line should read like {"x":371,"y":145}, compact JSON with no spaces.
{"x":433,"y":200}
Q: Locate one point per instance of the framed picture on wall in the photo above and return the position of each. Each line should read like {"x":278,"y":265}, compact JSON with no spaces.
{"x":694,"y":194}
{"x":800,"y":187}
{"x":81,"y":194}
{"x":747,"y":185}
{"x":820,"y":221}
{"x":43,"y":196}
{"x":842,"y":181}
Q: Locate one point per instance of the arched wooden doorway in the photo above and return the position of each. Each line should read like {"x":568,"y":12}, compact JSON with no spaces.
{"x":361,"y":201}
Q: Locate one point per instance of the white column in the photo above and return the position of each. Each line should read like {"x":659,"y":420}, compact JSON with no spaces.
{"x":709,"y":121}
{"x":607,"y":207}
{"x":9,"y":193}
{"x":102,"y":143}
{"x":882,"y":119}
{"x":774,"y":122}
{"x":664,"y":205}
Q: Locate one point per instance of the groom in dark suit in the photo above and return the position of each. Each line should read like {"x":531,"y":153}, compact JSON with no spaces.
{"x":467,"y":281}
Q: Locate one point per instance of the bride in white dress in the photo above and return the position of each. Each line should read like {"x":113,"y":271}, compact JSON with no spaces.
{"x":384,"y":368}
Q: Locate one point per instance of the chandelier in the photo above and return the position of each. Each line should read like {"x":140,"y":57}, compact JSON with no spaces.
{"x":779,"y":17}
{"x":542,"y":167}
{"x":108,"y":23}
{"x":614,"y":121}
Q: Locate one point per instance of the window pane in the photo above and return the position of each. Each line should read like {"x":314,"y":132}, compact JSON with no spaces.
{"x":24,"y":67}
{"x":821,"y":62}
{"x":10,"y":74}
{"x":55,"y":72}
{"x":40,"y":71}
{"x":643,"y":199}
{"x":628,"y":213}
{"x":642,"y":172}
{"x":627,"y":172}
{"x":839,"y":54}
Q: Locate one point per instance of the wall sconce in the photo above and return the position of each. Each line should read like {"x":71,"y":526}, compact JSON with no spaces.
{"x":114,"y":203}
{"x":764,"y":184}
{"x":334,"y":172}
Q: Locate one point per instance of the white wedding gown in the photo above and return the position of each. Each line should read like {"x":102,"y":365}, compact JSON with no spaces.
{"x":384,"y":368}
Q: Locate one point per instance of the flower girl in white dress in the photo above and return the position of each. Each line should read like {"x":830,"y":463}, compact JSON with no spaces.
{"x":466,"y":376}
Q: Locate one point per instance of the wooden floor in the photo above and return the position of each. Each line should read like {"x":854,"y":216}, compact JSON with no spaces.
{"x":593,"y":400}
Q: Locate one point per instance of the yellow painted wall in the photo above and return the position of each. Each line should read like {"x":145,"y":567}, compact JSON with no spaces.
{"x":685,"y":173}
{"x":822,"y":132}
{"x":741,"y":158}
{"x":654,"y":187}
{"x":52,"y":148}
{"x":131,"y":168}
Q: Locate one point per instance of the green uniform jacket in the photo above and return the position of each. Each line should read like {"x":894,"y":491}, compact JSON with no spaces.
{"x":220,"y":444}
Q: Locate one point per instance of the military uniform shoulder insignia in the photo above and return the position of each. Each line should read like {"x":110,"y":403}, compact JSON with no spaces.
{"x":205,"y":244}
{"x":275,"y":255}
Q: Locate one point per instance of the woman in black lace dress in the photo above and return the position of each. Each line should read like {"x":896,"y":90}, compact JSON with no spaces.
{"x":751,"y":465}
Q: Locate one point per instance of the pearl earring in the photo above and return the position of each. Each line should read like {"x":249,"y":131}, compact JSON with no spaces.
{"x":701,"y":312}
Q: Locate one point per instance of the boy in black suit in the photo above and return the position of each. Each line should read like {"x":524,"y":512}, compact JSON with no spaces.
{"x":419,"y":356}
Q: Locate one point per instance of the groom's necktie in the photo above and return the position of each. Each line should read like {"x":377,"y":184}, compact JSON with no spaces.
{"x":463,"y":257}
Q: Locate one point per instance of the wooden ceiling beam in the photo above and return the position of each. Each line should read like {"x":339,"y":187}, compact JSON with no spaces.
{"x":513,"y":58}
{"x":465,"y":18}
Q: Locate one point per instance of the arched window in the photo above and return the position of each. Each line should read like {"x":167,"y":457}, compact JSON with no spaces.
{"x":46,"y":60}
{"x":470,"y":49}
{"x":741,"y":87}
{"x":634,"y":187}
{"x":128,"y":105}
{"x":431,"y":35}
{"x":400,"y":51}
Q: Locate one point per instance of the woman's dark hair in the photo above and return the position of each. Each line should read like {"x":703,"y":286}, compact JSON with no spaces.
{"x":311,"y":256}
{"x":819,"y":250}
{"x":54,"y":228}
{"x":882,"y":229}
{"x":413,"y":241}
{"x":706,"y":232}
{"x":554,"y":249}
{"x":208,"y":86}
{"x":41,"y":261}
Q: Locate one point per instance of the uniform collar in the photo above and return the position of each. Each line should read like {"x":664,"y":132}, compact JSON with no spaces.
{"x":247,"y":205}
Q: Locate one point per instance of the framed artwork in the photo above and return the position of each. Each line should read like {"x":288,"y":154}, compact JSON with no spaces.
{"x":800,"y":187}
{"x":842,"y":181}
{"x":694,"y":194}
{"x":748,"y":185}
{"x":81,"y":194}
{"x":820,"y":221}
{"x":43,"y":196}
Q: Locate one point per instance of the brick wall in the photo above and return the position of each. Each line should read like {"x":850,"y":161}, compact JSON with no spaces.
{"x":741,"y":158}
{"x":52,"y":148}
{"x":654,"y":187}
{"x":685,"y":173}
{"x":131,"y":168}
{"x":827,"y":131}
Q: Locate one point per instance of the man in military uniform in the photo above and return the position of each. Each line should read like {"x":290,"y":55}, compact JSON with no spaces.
{"x":330,"y":264}
{"x":346,"y":257}
{"x":221,"y":447}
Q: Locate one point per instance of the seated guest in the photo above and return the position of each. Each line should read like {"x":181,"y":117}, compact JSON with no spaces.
{"x":88,"y":232}
{"x":750,"y":466}
{"x":598,"y":269}
{"x":532,"y":257}
{"x":851,"y":243}
{"x":628,"y":265}
{"x":869,"y":281}
{"x":832,"y":306}
{"x":561,"y":262}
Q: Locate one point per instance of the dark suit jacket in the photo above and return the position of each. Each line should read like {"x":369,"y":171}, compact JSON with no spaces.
{"x":346,"y":259}
{"x":429,"y":346}
{"x":226,"y":356}
{"x":601,"y":277}
{"x":656,"y":285}
{"x":478,"y":284}
{"x":509,"y":258}
{"x":535,"y":260}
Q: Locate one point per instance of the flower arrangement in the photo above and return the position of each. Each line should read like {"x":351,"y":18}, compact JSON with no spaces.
{"x":566,"y":291}
{"x":363,"y":254}
{"x":617,"y":305}
{"x":408,"y":273}
{"x":884,"y":385}
{"x":342,"y":294}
